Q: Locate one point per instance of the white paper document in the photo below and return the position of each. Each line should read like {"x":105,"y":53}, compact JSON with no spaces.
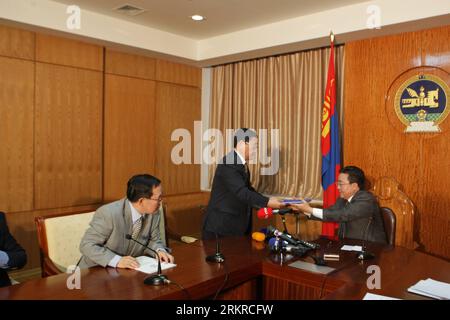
{"x":431,"y":288}
{"x":351,"y":248}
{"x":150,"y":265}
{"x":373,"y":296}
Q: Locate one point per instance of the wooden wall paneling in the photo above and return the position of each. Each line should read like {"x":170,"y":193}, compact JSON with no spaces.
{"x":177,"y":107}
{"x":129,"y":132}
{"x":16,"y":134}
{"x":129,"y":65}
{"x":436,"y":47}
{"x":185,"y":213}
{"x":415,"y":160}
{"x":167,"y":71}
{"x":434,"y":201}
{"x":68,"y":136}
{"x":23,"y":228}
{"x":68,"y":52}
{"x":16,"y":43}
{"x":371,"y":142}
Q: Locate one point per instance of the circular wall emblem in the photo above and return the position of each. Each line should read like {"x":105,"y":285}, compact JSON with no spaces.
{"x":422,"y":103}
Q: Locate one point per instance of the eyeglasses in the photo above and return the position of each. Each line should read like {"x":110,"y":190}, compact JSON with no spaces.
{"x":156,"y":199}
{"x":340,"y":184}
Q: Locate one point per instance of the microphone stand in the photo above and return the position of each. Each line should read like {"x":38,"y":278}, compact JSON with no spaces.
{"x":364,"y":254}
{"x":158,"y":278}
{"x":218,"y":257}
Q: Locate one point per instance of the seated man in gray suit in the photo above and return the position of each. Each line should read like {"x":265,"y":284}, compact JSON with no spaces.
{"x":356,"y":210}
{"x":104,"y":242}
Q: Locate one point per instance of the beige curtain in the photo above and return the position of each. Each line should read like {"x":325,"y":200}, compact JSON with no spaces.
{"x":286,"y":93}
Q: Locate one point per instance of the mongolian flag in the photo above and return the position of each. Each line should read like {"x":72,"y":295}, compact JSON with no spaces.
{"x":331,"y":160}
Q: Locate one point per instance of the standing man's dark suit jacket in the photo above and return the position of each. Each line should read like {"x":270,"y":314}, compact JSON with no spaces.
{"x":354,"y":218}
{"x":229,"y":211}
{"x":16,"y":254}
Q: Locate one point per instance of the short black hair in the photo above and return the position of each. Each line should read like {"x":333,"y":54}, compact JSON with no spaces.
{"x":141,"y":186}
{"x":355,"y":175}
{"x":243,"y":134}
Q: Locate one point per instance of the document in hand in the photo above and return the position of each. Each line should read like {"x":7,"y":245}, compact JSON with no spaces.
{"x":432,"y":288}
{"x":150,"y":265}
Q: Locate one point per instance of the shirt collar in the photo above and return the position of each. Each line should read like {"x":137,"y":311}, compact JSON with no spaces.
{"x":135,"y":215}
{"x":240,"y":157}
{"x":350,"y":199}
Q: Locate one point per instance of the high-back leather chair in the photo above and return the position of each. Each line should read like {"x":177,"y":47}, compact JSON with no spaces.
{"x":389,"y":222}
{"x":387,"y":190}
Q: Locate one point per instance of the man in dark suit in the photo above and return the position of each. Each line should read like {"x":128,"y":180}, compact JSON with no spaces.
{"x":356,"y":210}
{"x":229,"y":211}
{"x":12,"y":255}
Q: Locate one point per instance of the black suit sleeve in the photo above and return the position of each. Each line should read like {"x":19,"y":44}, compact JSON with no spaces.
{"x":17,"y":255}
{"x":360,"y":207}
{"x":235,"y":183}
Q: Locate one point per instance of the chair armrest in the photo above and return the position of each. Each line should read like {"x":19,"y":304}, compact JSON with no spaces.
{"x":49,"y":268}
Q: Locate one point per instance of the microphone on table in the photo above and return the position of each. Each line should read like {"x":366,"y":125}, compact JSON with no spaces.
{"x":278,"y":245}
{"x":364,"y":254}
{"x":157,"y":279}
{"x":266,"y":213}
{"x":290,"y":239}
{"x":218,"y":257}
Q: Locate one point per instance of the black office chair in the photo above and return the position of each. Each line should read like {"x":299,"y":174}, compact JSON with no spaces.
{"x":389,"y":222}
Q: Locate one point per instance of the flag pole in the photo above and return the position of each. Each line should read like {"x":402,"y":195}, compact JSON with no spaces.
{"x":331,"y":36}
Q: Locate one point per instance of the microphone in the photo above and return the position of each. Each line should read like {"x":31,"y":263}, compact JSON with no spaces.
{"x":218,"y":257}
{"x":290,"y":239}
{"x":157,"y":279}
{"x":364,"y":254}
{"x":283,"y":236}
{"x":266,"y":213}
{"x":277,"y":246}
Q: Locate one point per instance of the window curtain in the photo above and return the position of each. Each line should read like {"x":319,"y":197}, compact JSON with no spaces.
{"x":285,"y":93}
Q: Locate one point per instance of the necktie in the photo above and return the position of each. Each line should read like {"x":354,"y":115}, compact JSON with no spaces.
{"x":247,"y":173}
{"x":137,"y":226}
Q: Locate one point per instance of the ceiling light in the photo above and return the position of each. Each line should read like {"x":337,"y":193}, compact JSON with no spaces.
{"x":197,"y":17}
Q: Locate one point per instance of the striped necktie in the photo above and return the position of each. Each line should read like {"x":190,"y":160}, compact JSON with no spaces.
{"x":137,"y":226}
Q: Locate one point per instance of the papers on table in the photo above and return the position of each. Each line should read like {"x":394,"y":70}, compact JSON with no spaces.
{"x":351,"y":248}
{"x":373,"y":296}
{"x":150,"y":265}
{"x":432,"y":288}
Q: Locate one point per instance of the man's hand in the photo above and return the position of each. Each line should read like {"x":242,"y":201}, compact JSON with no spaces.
{"x":304,"y":207}
{"x":128,"y":262}
{"x":165,"y":257}
{"x":275,"y":203}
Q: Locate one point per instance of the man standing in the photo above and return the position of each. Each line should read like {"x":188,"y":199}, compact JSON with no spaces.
{"x":229,"y":211}
{"x":12,"y":255}
{"x":356,"y":210}
{"x":104,"y":243}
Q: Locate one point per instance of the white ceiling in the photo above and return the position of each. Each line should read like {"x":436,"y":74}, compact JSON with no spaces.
{"x":222,"y":16}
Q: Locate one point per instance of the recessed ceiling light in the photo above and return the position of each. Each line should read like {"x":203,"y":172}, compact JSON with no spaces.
{"x":197,"y":17}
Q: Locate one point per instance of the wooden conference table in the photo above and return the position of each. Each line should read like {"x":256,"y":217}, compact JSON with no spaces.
{"x":253,"y":273}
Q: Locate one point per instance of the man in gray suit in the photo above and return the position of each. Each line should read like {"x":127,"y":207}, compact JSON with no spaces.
{"x":104,"y":242}
{"x":356,"y":210}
